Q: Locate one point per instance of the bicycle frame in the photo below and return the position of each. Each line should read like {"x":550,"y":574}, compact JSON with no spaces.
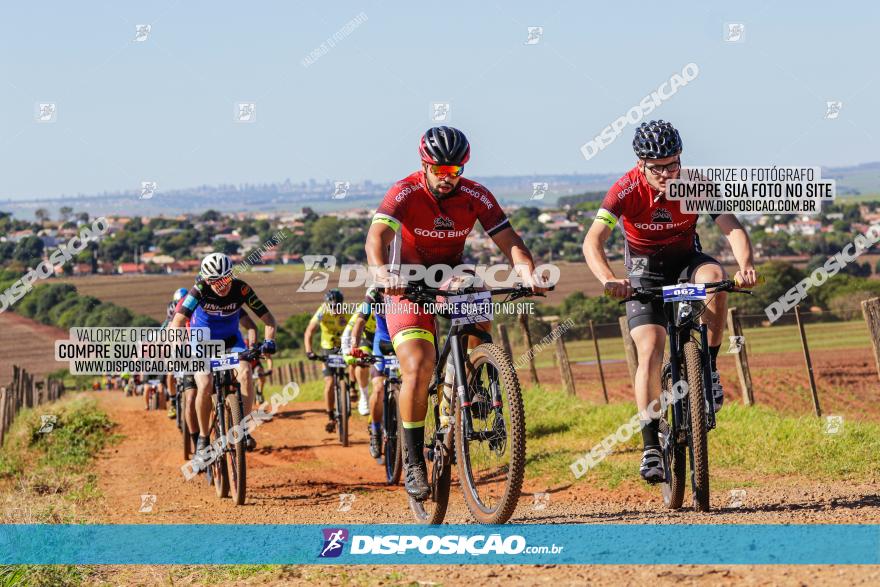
{"x":454,"y":345}
{"x":679,"y":326}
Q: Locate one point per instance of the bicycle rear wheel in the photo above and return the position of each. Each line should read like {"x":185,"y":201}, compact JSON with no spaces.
{"x":698,"y":440}
{"x":236,"y":453}
{"x":392,"y":437}
{"x":491,"y":463}
{"x":438,"y":458}
{"x":674,"y":452}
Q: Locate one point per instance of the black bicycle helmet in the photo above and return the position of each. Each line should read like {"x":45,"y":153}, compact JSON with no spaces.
{"x":656,"y":139}
{"x":334,"y":296}
{"x":444,"y":145}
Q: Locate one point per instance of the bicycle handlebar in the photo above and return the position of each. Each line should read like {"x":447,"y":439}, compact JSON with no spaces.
{"x":425,"y":294}
{"x":649,"y":294}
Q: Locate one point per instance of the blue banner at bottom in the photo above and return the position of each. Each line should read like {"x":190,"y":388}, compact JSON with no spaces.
{"x":450,"y":544}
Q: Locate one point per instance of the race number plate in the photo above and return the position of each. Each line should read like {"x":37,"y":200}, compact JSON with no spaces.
{"x":334,"y":361}
{"x":684,"y":291}
{"x":391,"y":365}
{"x":153,"y":382}
{"x":470,"y":308}
{"x":224,"y":363}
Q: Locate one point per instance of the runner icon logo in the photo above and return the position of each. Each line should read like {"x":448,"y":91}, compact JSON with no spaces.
{"x":334,"y":540}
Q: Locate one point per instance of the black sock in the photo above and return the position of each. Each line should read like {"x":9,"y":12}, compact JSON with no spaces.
{"x":195,"y":438}
{"x":414,"y":439}
{"x":713,"y":353}
{"x":650,"y":430}
{"x":330,"y":415}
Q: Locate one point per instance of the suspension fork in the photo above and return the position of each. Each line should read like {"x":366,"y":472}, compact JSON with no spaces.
{"x":675,"y":369}
{"x":220,"y":391}
{"x":461,"y":384}
{"x":706,"y":374}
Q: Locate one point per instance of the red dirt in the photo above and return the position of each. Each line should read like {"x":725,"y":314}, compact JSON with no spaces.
{"x":299,"y":472}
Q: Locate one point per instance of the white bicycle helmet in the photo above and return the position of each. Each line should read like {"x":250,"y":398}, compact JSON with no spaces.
{"x":215,"y":266}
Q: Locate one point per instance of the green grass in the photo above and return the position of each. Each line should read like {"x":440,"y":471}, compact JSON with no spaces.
{"x":750,"y":444}
{"x":760,"y":340}
{"x":48,"y":471}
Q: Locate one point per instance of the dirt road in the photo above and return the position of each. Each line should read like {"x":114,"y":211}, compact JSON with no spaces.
{"x":299,"y":473}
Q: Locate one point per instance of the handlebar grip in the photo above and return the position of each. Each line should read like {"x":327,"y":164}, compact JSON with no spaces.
{"x":759,"y":280}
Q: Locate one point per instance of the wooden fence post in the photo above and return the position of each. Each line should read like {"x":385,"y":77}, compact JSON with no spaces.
{"x":302,"y":371}
{"x":632,"y":358}
{"x":3,"y":403}
{"x":816,"y":408}
{"x":599,"y":361}
{"x":871,"y":312}
{"x":564,"y":365}
{"x":741,"y":358}
{"x":505,"y":340}
{"x":527,"y":336}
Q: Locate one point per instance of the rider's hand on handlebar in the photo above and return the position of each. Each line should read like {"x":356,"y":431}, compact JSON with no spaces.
{"x":618,"y":288}
{"x":268,"y":347}
{"x":394,"y":285}
{"x":311,"y":356}
{"x":746,"y":278}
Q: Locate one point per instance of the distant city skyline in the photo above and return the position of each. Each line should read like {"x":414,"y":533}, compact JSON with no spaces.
{"x":103,"y":98}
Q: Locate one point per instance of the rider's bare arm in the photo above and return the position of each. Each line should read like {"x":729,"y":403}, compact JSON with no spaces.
{"x":379,"y":239}
{"x":741,"y":246}
{"x":513,"y":247}
{"x":179,"y":321}
{"x":594,"y":253}
{"x":310,"y":330}
{"x":269,"y":320}
{"x":357,"y":330}
{"x":250,"y":327}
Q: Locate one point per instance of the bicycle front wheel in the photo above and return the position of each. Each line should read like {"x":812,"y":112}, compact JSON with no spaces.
{"x":237,"y":450}
{"x":698,"y":440}
{"x":491,"y":461}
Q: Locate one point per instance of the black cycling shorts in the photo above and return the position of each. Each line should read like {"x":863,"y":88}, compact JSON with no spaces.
{"x":657,"y":272}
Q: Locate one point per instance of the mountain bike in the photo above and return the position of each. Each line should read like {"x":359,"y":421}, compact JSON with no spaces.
{"x":483,"y":429}
{"x":229,"y":466}
{"x":180,"y":408}
{"x":258,"y":387}
{"x":342,"y":390}
{"x":392,"y":434}
{"x":690,"y":415}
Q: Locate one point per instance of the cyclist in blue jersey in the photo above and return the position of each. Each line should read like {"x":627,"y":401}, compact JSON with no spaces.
{"x":215,"y":302}
{"x":373,"y":308}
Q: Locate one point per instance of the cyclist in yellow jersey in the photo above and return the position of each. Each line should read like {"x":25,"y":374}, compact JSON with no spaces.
{"x":365,"y":346}
{"x":331,"y":319}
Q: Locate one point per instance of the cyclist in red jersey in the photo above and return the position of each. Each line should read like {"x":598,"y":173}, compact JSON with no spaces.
{"x":661,"y":246}
{"x":424,"y":220}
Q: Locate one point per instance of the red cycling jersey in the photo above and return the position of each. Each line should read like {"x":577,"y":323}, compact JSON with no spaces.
{"x":429,"y":231}
{"x":433,"y":231}
{"x":652,"y":225}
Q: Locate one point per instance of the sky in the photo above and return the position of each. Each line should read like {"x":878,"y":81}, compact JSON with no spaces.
{"x":164,"y":109}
